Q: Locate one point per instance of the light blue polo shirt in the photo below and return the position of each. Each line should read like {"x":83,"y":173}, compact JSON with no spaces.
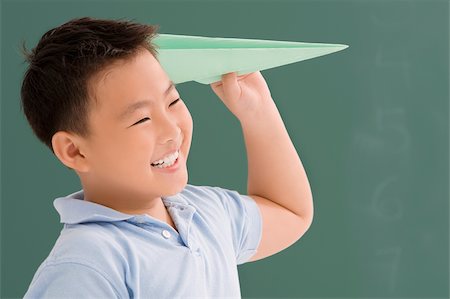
{"x":103,"y":253}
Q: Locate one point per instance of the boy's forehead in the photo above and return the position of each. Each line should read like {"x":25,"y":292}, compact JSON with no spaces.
{"x":124,"y":106}
{"x":144,"y":68}
{"x":140,"y":61}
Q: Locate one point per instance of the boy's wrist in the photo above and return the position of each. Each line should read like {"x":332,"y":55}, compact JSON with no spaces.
{"x":264,"y":115}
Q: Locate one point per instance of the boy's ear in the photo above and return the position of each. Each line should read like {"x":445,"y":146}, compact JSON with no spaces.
{"x":66,"y":147}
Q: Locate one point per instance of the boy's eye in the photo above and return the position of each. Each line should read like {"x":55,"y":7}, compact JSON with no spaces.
{"x":174,"y":102}
{"x":142,"y":120}
{"x":146,"y":118}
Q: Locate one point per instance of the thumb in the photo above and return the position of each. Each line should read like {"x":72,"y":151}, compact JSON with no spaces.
{"x":231,"y":88}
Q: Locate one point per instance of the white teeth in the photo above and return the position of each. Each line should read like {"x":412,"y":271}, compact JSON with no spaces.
{"x":166,"y":161}
{"x":164,"y":165}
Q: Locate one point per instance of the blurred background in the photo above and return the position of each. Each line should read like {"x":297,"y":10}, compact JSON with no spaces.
{"x":370,"y":124}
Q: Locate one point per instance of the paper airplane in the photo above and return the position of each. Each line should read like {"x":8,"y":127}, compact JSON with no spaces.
{"x":206,"y":59}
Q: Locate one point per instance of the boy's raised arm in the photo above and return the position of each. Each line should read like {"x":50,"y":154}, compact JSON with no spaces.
{"x":276,"y":177}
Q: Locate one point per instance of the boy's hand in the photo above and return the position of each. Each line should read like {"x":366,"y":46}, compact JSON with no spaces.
{"x":243,"y":95}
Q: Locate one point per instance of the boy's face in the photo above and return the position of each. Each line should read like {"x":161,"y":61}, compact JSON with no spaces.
{"x":123,"y":145}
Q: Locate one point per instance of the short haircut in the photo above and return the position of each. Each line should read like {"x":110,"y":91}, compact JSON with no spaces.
{"x":55,"y":90}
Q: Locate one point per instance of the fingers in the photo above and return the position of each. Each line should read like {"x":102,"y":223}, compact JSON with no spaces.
{"x":228,"y":75}
{"x":217,"y":90}
{"x":231,"y":88}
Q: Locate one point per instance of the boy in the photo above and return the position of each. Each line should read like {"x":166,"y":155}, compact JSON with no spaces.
{"x":97,"y":96}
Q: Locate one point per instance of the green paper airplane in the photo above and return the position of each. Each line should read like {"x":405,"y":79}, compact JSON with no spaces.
{"x":206,"y":59}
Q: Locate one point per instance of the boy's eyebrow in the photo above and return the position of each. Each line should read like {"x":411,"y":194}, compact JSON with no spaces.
{"x":142,"y":103}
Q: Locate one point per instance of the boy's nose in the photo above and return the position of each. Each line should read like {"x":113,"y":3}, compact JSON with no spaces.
{"x":169,"y":130}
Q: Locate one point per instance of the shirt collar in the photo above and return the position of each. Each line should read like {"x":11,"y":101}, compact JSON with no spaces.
{"x":74,"y":209}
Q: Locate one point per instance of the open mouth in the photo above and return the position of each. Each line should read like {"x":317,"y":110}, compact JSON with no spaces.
{"x":167,"y":162}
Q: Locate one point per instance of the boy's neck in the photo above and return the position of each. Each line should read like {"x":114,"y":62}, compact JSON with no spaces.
{"x":154,"y":208}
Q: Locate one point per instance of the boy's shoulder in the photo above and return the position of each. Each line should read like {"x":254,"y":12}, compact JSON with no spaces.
{"x":89,"y":243}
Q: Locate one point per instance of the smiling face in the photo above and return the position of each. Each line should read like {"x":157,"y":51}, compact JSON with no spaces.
{"x":117,"y":170}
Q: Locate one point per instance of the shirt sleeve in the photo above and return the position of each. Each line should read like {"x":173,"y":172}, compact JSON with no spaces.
{"x":70,"y":280}
{"x":246,"y":223}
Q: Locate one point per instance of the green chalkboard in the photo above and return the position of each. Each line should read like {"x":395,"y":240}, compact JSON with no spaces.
{"x":369,"y":123}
